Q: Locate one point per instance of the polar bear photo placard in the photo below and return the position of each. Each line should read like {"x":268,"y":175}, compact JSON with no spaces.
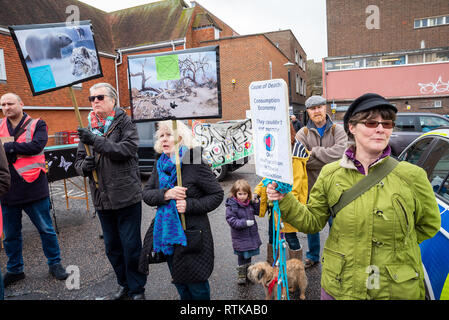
{"x":57,"y":55}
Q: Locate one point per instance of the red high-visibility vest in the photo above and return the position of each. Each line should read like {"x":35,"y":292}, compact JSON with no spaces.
{"x":28,"y":167}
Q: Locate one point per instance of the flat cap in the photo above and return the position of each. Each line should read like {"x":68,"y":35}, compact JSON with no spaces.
{"x":315,"y":101}
{"x":366,"y":102}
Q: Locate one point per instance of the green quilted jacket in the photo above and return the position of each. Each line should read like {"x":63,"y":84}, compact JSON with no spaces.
{"x":372,"y":251}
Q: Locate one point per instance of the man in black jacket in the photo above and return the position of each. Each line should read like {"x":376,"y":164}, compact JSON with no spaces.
{"x":295,"y":122}
{"x":117,"y":194}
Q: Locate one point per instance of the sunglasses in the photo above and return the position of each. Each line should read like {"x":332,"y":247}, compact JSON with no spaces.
{"x":374,"y":124}
{"x":100,"y":97}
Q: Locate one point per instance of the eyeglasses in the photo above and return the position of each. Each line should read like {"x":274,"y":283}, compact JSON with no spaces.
{"x":374,"y":124}
{"x":100,"y":97}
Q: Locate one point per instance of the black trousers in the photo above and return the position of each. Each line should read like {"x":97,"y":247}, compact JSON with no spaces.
{"x":121,"y":233}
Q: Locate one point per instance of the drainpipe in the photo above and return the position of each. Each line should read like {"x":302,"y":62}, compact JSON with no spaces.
{"x":118,"y":61}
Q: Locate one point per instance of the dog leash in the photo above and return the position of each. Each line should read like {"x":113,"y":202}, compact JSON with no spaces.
{"x":279,"y":243}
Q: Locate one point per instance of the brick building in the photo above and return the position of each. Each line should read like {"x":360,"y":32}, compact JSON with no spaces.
{"x":297,"y":78}
{"x":398,"y":49}
{"x":155,"y":27}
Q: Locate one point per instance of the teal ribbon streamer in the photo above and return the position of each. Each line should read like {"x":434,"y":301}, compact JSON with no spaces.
{"x":279,"y":243}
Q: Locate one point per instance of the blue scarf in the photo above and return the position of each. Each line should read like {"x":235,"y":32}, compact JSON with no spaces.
{"x":167,"y":225}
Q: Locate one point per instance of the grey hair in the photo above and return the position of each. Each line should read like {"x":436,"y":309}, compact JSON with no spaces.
{"x":184,"y":132}
{"x":110,"y":89}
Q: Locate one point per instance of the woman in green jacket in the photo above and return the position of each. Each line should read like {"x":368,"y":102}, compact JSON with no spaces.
{"x":372,"y":251}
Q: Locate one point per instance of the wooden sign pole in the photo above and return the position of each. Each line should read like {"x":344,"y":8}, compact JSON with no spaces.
{"x":80,"y":122}
{"x":178,"y":165}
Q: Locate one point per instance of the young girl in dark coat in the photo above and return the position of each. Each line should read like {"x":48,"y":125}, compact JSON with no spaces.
{"x":240,"y":212}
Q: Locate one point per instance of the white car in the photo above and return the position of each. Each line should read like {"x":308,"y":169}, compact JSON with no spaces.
{"x":431,"y":152}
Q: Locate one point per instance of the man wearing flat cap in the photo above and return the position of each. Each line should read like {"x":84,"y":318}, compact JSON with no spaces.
{"x":326,"y":143}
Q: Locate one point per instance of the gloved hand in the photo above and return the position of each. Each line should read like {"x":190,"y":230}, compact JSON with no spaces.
{"x":88,"y":164}
{"x":10,"y":152}
{"x":12,"y":157}
{"x":249,"y":223}
{"x":86,"y":136}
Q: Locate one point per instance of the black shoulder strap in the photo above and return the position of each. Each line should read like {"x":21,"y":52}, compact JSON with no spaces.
{"x":22,"y":129}
{"x":378,"y":173}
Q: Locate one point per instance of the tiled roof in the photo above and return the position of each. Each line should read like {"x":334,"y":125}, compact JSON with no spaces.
{"x":204,"y":20}
{"x":145,"y":24}
{"x":150,"y":23}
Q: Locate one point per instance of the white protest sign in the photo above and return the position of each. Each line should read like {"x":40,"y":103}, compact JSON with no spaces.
{"x":271,"y":129}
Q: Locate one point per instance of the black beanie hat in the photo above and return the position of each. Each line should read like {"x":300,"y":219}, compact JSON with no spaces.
{"x":366,"y":102}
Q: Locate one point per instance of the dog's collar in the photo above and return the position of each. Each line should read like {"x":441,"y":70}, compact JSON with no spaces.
{"x":270,"y":285}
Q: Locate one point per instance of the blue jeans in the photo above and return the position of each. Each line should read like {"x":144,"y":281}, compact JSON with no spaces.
{"x":121,"y":234}
{"x":191,"y":291}
{"x":313,"y":241}
{"x":39,"y":214}
{"x":290,"y":237}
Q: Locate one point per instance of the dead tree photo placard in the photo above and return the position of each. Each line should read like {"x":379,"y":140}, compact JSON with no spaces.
{"x":181,"y":84}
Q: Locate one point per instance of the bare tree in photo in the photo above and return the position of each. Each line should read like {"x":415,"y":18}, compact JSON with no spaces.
{"x":144,"y":77}
{"x":191,"y":69}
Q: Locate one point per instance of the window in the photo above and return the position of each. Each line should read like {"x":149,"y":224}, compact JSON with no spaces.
{"x":304,"y":88}
{"x":296,"y":56}
{"x":342,"y":108}
{"x":298,"y":83}
{"x":437,"y":56}
{"x":392,"y":60}
{"x":217,"y":33}
{"x":2,"y":66}
{"x":444,"y":189}
{"x":437,"y":165}
{"x":431,"y":22}
{"x":429,"y":123}
{"x":405,"y":123}
{"x":372,"y":62}
{"x":345,"y":64}
{"x":416,"y":151}
{"x":415,"y":58}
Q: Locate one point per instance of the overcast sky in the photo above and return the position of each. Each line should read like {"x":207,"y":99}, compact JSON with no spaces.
{"x":306,"y":19}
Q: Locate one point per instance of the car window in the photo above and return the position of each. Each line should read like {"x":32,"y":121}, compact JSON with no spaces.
{"x":405,"y":123}
{"x":444,"y":190}
{"x":415,"y":152}
{"x":437,"y":164}
{"x":146,"y":132}
{"x":429,"y":123}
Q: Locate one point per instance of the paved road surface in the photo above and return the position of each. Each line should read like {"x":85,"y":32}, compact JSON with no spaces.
{"x":83,"y":249}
